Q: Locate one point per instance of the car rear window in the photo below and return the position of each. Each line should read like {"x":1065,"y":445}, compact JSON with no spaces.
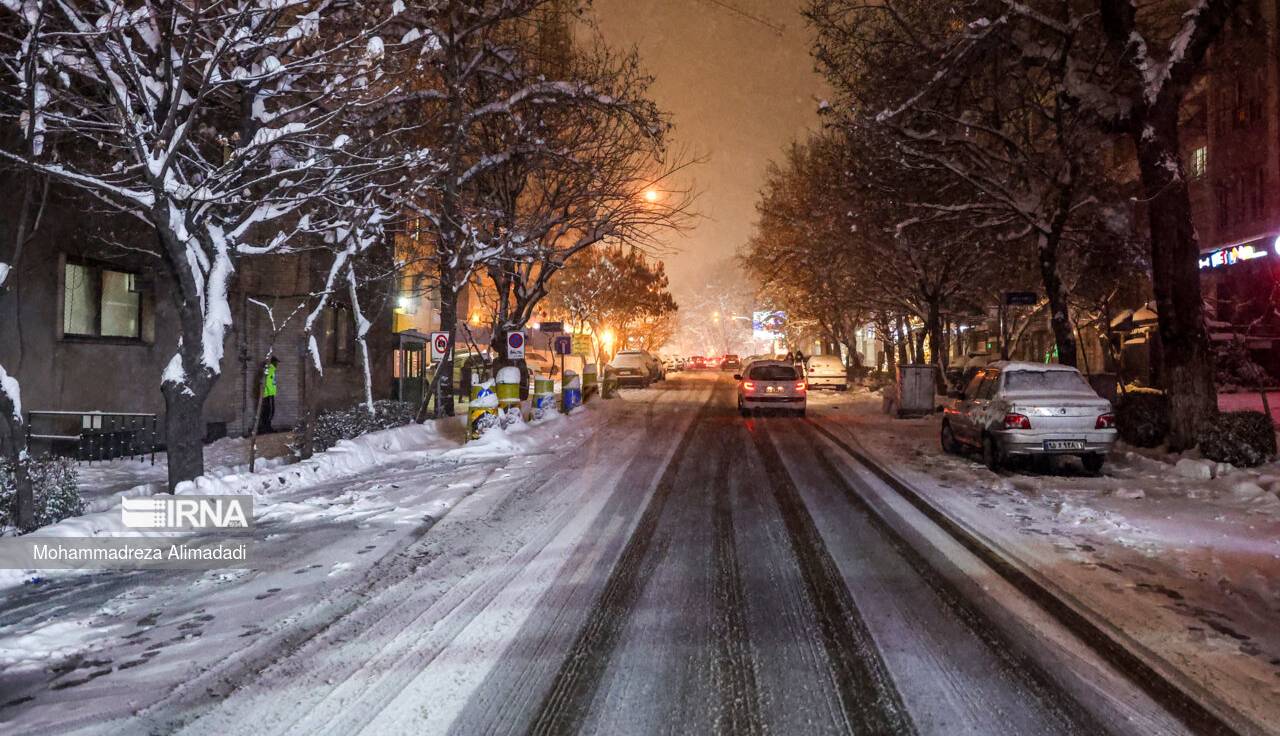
{"x":629,"y":360}
{"x":1045,"y":381}
{"x":772,"y":373}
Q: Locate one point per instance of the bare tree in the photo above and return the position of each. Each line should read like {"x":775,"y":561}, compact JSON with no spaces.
{"x":210,"y":123}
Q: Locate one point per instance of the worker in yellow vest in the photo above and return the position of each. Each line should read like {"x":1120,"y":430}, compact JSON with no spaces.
{"x":269,"y":386}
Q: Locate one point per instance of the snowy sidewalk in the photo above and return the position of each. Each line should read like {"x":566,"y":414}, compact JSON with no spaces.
{"x":1188,"y":568}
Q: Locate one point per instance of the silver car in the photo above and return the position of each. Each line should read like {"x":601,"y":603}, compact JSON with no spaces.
{"x":1022,"y":409}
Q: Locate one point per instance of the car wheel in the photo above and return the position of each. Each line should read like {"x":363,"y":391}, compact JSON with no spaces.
{"x":991,"y":453}
{"x":949,"y":444}
{"x":799,"y":413}
{"x":743,"y":410}
{"x":1093,"y":463}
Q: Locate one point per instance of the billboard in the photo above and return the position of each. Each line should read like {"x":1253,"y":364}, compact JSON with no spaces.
{"x":768,"y":325}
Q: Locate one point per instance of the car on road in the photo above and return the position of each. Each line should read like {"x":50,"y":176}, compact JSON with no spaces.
{"x":730,"y":362}
{"x":1012,"y":410}
{"x":636,"y":368}
{"x":772,"y":385}
{"x":827,"y":371}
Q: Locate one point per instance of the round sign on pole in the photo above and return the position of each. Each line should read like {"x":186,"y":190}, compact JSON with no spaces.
{"x":439,"y":345}
{"x":515,"y":345}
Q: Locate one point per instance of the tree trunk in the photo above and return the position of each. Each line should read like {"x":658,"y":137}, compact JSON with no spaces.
{"x":184,"y":428}
{"x":1059,"y":317}
{"x":902,"y":339}
{"x":24,"y":499}
{"x":933,"y":325}
{"x":1186,"y":362}
{"x":449,"y":324}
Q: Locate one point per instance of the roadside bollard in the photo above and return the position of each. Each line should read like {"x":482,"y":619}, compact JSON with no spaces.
{"x":509,"y":395}
{"x":590,"y":382}
{"x":571,"y":391}
{"x":609,"y":386}
{"x":544,"y":396}
{"x":482,"y":412}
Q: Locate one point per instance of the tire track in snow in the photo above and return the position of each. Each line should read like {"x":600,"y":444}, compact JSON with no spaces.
{"x":565,"y":707}
{"x":869,"y":700}
{"x":734,"y":663}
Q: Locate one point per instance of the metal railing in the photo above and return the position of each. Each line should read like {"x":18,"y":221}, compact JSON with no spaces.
{"x":94,"y":435}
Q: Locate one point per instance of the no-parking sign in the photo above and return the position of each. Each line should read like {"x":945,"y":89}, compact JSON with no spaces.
{"x":515,"y":345}
{"x":439,"y":345}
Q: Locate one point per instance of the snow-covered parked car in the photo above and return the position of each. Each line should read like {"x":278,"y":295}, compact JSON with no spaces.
{"x":772,"y":384}
{"x":1014,"y":409}
{"x":634,"y":368}
{"x":826,"y":371}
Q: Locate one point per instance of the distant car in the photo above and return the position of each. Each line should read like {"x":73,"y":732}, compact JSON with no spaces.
{"x":730,"y":362}
{"x":772,"y":385}
{"x":671,"y":364}
{"x":1014,"y":409}
{"x":827,"y":371}
{"x":697,"y":363}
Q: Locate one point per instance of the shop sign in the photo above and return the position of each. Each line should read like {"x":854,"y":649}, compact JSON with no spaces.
{"x":1234,"y":254}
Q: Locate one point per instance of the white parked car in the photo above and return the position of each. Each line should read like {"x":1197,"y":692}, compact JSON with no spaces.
{"x":1023,"y":409}
{"x":772,"y":385}
{"x":827,"y":371}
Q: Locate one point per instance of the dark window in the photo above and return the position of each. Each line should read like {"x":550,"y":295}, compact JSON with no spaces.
{"x":773,"y":373}
{"x":1257,"y":198}
{"x":101,"y":302}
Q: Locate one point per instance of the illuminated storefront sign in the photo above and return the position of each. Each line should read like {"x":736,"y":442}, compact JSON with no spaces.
{"x":1233,"y":254}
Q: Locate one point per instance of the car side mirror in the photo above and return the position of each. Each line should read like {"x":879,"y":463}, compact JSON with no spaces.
{"x":737,"y":376}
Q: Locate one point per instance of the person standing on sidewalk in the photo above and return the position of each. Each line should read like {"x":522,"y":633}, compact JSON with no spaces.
{"x":270,"y":377}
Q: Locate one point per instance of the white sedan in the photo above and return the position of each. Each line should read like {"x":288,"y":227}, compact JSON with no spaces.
{"x":772,"y":385}
{"x":1014,"y":409}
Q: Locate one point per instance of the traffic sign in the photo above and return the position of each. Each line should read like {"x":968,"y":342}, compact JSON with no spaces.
{"x":551,"y":327}
{"x":515,"y":345}
{"x":581,"y":344}
{"x":1021,"y":298}
{"x":439,"y":344}
{"x":564,"y":345}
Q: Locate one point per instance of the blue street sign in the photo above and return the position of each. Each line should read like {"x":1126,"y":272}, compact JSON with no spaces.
{"x":564,"y":345}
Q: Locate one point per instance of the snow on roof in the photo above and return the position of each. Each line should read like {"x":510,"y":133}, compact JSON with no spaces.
{"x":1019,"y":365}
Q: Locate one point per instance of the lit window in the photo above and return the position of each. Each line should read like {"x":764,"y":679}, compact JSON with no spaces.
{"x":97,"y":302}
{"x":1199,"y":162}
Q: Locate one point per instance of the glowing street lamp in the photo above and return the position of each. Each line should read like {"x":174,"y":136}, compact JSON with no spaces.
{"x":650,"y":196}
{"x":607,"y":338}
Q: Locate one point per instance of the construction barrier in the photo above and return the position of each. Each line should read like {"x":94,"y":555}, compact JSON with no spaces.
{"x":509,"y":410}
{"x":571,"y":392}
{"x":590,"y":382}
{"x":482,"y":413}
{"x":544,"y":397}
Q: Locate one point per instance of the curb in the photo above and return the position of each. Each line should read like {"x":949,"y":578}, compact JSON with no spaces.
{"x":1142,"y":667}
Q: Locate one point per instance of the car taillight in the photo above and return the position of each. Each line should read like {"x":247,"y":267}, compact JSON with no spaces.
{"x":800,"y":386}
{"x":748,"y":386}
{"x":1016,"y":421}
{"x":1105,"y":421}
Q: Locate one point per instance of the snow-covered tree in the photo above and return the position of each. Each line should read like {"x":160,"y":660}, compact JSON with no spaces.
{"x":483,"y":98}
{"x":217,"y":124}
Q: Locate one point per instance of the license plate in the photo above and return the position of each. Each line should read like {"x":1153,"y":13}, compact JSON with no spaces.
{"x":1064,"y":444}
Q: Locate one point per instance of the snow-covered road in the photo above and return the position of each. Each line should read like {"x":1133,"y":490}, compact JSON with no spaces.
{"x":663,"y":566}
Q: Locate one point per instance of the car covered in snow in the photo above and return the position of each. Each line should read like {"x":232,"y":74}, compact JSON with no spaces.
{"x":1012,"y":409}
{"x":636,"y":368}
{"x":730,"y":362}
{"x":826,"y":371}
{"x":772,"y":385}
